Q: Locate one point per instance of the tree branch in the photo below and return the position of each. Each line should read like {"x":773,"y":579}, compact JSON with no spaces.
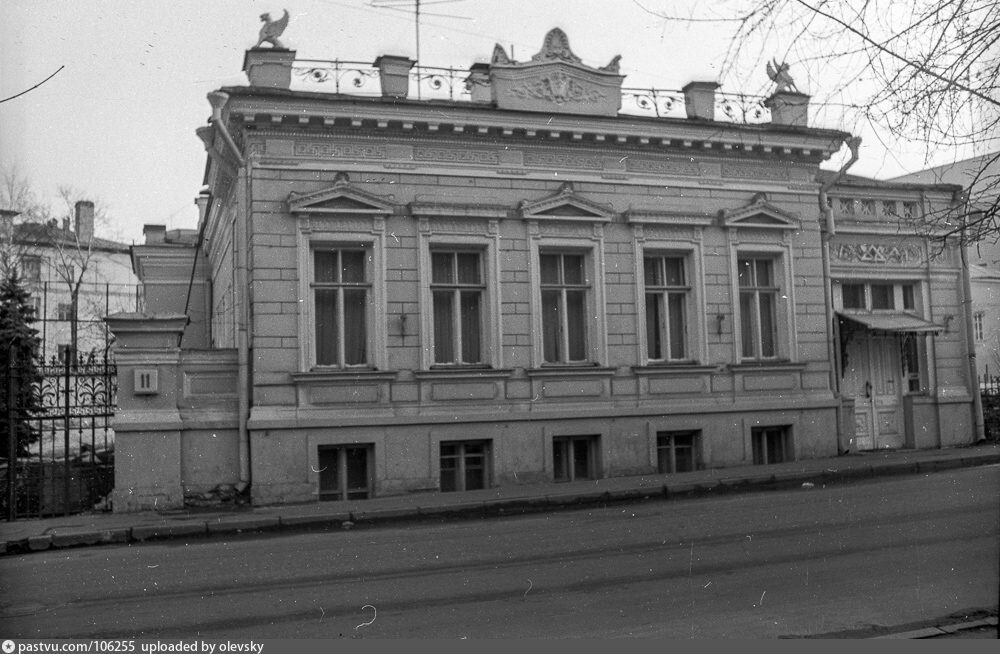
{"x":921,"y":68}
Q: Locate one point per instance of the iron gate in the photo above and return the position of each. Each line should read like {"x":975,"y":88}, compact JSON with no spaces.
{"x":69,"y":467}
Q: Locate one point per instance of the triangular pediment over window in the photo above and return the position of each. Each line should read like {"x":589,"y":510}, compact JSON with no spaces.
{"x":341,"y":198}
{"x":760,"y":213}
{"x":565,"y":204}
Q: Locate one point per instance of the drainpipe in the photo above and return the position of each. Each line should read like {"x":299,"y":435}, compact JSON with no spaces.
{"x":829,"y":230}
{"x":218,"y":100}
{"x":970,"y":342}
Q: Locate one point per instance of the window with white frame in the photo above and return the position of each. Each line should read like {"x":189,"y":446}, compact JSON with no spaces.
{"x":978,"y":328}
{"x":458,"y":291}
{"x":879,"y":296}
{"x":341,"y":290}
{"x":758,"y":289}
{"x":64,"y":311}
{"x":668,"y":294}
{"x":564,"y":294}
{"x":31,"y":268}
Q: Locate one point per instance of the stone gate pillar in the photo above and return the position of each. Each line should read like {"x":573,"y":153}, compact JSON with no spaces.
{"x":147,"y":422}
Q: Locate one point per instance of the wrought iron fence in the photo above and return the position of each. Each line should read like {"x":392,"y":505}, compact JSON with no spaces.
{"x":434,"y":83}
{"x":69,"y":463}
{"x":989,"y":390}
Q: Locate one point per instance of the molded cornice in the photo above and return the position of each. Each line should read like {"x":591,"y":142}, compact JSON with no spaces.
{"x":253,"y":108}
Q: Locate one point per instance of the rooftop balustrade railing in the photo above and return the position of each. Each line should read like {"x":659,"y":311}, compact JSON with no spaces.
{"x":454,"y":84}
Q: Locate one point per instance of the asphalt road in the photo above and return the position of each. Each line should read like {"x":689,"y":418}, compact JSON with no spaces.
{"x":756,"y":565}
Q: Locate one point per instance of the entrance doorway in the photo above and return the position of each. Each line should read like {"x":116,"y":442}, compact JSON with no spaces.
{"x":873,"y":377}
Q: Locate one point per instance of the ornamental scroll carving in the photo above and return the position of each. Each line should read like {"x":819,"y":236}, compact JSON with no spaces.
{"x":874,"y":253}
{"x":558,"y":88}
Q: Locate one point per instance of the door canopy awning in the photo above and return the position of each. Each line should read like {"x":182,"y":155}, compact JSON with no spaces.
{"x":893,"y":321}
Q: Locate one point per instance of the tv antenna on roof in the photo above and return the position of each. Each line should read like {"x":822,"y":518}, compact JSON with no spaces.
{"x":405,"y":5}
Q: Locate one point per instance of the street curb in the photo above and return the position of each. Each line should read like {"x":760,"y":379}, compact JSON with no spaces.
{"x":483,"y":508}
{"x":155,"y":532}
{"x":243,"y":524}
{"x":934,"y":632}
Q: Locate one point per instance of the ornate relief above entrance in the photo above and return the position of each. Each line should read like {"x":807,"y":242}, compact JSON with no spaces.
{"x":877,"y":253}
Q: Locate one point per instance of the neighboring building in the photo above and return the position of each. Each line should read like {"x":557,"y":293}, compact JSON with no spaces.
{"x":980,"y":176}
{"x":519,"y":286}
{"x":51,"y":258}
{"x":985,"y":282}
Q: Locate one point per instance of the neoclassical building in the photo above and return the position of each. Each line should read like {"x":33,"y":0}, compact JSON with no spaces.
{"x":525,"y":283}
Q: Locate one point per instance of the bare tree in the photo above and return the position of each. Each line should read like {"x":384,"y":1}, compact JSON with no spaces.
{"x":918,"y":71}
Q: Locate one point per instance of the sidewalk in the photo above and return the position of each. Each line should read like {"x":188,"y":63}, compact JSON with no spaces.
{"x":91,"y":529}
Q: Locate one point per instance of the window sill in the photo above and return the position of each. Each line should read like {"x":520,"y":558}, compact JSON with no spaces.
{"x":675,"y":369}
{"x":463,"y":372}
{"x":766,"y":365}
{"x":344,"y":376}
{"x":563,"y":369}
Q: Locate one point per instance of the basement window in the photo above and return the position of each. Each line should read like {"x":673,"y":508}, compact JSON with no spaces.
{"x":344,"y":472}
{"x":771,"y":444}
{"x":464,"y":465}
{"x":574,"y":457}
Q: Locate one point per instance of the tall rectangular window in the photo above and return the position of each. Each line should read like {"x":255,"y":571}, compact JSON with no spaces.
{"x":910,"y":347}
{"x":758,"y":308}
{"x":31,"y":268}
{"x":564,"y":289}
{"x":341,"y":291}
{"x":457,"y":289}
{"x":64,"y":311}
{"x":909,"y":299}
{"x":977,"y":326}
{"x":667,"y":293}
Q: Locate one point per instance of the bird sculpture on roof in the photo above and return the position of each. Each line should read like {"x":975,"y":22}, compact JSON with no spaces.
{"x":779,"y":75}
{"x":272,"y":29}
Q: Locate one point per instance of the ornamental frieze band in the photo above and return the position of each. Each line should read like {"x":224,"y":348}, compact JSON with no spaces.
{"x":456,"y":156}
{"x":344,"y":150}
{"x":556,"y":160}
{"x":873,"y":253}
{"x":663,"y":167}
{"x":751,"y":171}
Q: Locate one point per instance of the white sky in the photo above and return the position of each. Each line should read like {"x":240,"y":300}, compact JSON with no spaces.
{"x":118,"y":122}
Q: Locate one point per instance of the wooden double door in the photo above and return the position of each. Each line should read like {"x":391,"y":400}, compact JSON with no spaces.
{"x":873,"y":377}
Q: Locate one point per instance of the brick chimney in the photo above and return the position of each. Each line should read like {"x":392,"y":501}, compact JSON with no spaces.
{"x":85,"y":220}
